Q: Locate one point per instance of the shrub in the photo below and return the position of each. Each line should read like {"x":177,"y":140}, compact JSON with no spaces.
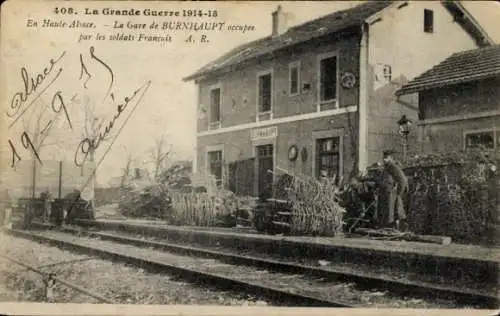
{"x":454,"y":194}
{"x":152,"y":201}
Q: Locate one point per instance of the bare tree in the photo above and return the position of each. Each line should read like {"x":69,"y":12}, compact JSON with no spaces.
{"x":160,"y":154}
{"x":128,"y":167}
{"x":38,"y":126}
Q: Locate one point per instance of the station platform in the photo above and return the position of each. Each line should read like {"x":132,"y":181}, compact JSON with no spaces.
{"x":250,"y":236}
{"x":455,"y":264}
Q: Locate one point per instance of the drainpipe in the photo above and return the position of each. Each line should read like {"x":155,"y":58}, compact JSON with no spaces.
{"x":363,"y":99}
{"x":198,"y":100}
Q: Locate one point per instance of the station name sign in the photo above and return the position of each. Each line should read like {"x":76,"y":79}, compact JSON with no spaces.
{"x":264,"y":133}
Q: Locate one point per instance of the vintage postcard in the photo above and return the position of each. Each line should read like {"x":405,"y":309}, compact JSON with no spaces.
{"x":238,"y":158}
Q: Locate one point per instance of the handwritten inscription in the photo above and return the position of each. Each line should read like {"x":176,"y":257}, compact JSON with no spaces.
{"x":31,"y":85}
{"x":27,"y":144}
{"x":89,"y":144}
{"x":34,"y":88}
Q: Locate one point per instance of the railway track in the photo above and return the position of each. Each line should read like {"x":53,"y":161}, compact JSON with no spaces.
{"x":364,"y":282}
{"x":113,"y":251}
{"x":50,"y":279}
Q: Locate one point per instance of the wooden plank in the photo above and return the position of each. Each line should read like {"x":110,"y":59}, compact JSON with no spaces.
{"x":442,"y":240}
{"x":284,"y":213}
{"x":281,"y":224}
{"x":277,"y":201}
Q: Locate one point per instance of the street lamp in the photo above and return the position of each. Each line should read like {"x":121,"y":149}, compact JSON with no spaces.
{"x":404,"y":129}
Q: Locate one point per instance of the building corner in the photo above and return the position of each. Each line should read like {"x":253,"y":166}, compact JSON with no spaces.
{"x":363,"y":99}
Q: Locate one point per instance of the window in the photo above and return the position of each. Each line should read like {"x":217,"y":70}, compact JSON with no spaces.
{"x":215,"y":108}
{"x":215,"y":165}
{"x":265,"y":92}
{"x":328,"y":156}
{"x":265,"y":151}
{"x":294,"y":78}
{"x":328,"y":79}
{"x":428,"y":21}
{"x":480,"y":140}
{"x":265,"y":162}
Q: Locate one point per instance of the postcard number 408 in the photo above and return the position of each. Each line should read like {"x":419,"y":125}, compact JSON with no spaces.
{"x":64,"y":10}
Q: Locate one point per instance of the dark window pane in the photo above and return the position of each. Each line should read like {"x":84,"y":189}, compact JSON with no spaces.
{"x":265,"y":92}
{"x":215,"y":105}
{"x":294,"y":80}
{"x":328,"y":80}
{"x":265,"y":151}
{"x":428,"y":21}
{"x":480,"y":140}
{"x":328,"y":156}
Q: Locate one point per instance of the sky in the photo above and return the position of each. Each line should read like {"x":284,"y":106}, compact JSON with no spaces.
{"x":168,"y":107}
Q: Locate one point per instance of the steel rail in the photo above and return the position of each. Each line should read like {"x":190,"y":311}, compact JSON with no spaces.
{"x":195,"y":276}
{"x":55,"y":264}
{"x":403,"y":287}
{"x":58,"y":280}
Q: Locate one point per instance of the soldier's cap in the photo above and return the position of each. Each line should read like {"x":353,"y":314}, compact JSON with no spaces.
{"x":388,"y":152}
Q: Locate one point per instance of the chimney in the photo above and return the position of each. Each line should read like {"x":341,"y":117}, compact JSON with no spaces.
{"x":279,"y":22}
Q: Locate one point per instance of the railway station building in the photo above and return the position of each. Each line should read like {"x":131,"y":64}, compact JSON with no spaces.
{"x":321,"y":95}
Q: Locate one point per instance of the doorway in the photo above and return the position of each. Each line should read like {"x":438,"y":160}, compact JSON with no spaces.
{"x":265,"y":162}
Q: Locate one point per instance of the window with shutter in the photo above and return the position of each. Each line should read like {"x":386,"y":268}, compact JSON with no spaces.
{"x":328,"y":79}
{"x":215,"y":108}
{"x":294,"y":79}
{"x":265,"y":92}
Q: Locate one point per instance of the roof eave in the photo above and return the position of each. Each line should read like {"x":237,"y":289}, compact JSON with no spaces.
{"x":190,"y":78}
{"x":481,"y":37}
{"x":425,"y":87}
{"x":201,"y":75}
{"x":376,"y":16}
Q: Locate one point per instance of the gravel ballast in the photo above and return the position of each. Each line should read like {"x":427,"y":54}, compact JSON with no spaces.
{"x":117,"y":282}
{"x":343,"y":292}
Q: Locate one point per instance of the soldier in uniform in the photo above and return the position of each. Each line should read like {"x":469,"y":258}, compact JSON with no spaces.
{"x":46,"y":196}
{"x":392,"y":190}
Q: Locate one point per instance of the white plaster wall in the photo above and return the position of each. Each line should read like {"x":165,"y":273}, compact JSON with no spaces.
{"x":399,"y":40}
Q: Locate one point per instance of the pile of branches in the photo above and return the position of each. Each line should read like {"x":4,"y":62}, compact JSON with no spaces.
{"x":148,"y":199}
{"x":152,"y":201}
{"x":202,"y":209}
{"x":316,"y":206}
{"x":176,"y":177}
